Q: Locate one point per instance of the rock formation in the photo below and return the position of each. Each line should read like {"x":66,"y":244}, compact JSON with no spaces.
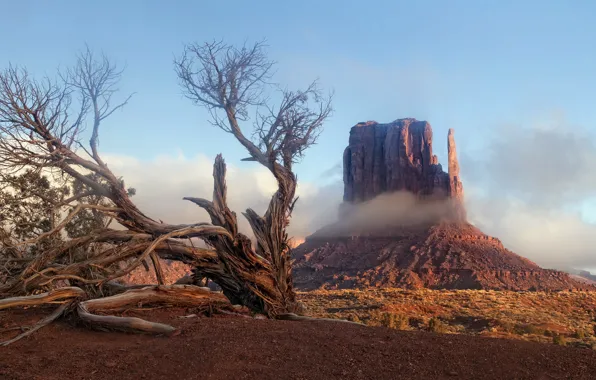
{"x":585,"y":276}
{"x":443,"y":251}
{"x":398,"y":156}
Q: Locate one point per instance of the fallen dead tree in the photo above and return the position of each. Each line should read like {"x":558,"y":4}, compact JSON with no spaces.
{"x":87,"y":310}
{"x":37,"y":130}
{"x":174,"y":295}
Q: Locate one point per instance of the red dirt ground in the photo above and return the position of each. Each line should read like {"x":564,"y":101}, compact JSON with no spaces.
{"x":240,"y":348}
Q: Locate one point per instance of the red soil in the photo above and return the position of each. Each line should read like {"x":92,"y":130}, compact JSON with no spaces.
{"x":239,"y":348}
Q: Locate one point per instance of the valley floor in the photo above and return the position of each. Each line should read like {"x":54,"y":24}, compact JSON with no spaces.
{"x":245,"y":348}
{"x":563,"y":318}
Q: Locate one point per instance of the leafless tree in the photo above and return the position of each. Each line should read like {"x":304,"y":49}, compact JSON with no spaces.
{"x":41,"y":124}
{"x":229,"y":81}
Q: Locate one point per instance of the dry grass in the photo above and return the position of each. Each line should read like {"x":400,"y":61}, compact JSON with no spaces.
{"x":567,"y":318}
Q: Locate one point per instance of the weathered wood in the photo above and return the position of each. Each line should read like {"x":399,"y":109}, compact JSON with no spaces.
{"x":157,"y":267}
{"x":173,"y":295}
{"x":257,"y":277}
{"x":57,"y":295}
{"x":302,"y":318}
{"x":261,"y":278}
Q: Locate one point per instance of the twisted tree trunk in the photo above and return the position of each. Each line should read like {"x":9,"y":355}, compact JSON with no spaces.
{"x":260,"y":277}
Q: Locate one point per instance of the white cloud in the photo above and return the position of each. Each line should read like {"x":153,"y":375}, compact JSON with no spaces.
{"x":161,"y":184}
{"x":553,"y":238}
{"x":529,"y":187}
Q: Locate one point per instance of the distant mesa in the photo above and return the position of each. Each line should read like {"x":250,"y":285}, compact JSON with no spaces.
{"x":585,"y":276}
{"x":403,"y":224}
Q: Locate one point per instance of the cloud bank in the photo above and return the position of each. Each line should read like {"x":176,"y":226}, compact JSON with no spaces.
{"x":529,"y":186}
{"x":161,"y":184}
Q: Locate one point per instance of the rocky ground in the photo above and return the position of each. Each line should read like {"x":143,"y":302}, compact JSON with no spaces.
{"x":242,"y":348}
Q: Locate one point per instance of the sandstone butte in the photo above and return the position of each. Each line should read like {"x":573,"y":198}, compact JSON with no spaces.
{"x":440,"y":250}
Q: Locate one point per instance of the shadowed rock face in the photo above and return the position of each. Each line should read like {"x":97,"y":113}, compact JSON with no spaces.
{"x":440,"y":251}
{"x":398,"y":156}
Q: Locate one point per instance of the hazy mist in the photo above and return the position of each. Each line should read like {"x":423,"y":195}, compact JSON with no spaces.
{"x":387,"y":211}
{"x":527,"y":186}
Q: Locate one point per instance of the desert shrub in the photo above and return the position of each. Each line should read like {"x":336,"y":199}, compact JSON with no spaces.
{"x":529,"y":329}
{"x":354,"y":318}
{"x":579,"y":334}
{"x":559,"y":340}
{"x":417,"y":322}
{"x":395,"y":321}
{"x":506,"y":326}
{"x":437,"y":326}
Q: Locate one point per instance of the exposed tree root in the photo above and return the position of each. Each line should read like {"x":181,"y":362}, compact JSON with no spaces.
{"x":175,"y":295}
{"x":111,"y":288}
{"x":44,"y":322}
{"x":36,"y":133}
{"x":132,"y":324}
{"x":178,"y":295}
{"x":172,"y":295}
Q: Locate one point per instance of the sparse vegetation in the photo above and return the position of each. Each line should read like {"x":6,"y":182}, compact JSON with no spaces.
{"x":395,"y":321}
{"x":563,"y":318}
{"x":437,"y":326}
{"x":580,"y":334}
{"x":559,"y":340}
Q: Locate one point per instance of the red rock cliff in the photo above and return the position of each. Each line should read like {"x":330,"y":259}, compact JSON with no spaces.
{"x":443,"y":253}
{"x":398,"y":156}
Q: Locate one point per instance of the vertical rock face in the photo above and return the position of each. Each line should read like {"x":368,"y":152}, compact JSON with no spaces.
{"x":398,"y":156}
{"x":456,"y":188}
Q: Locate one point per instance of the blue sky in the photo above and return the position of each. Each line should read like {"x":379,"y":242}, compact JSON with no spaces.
{"x":475,"y":66}
{"x":471,"y":65}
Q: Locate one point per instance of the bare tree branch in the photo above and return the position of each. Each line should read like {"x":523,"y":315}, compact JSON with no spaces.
{"x":96,"y":80}
{"x":226,"y":79}
{"x":40,"y":127}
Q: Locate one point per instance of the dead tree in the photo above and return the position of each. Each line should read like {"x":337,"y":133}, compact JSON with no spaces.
{"x":229,"y":82}
{"x":40,"y":127}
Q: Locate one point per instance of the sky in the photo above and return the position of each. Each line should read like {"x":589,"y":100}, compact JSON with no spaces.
{"x":515,"y":79}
